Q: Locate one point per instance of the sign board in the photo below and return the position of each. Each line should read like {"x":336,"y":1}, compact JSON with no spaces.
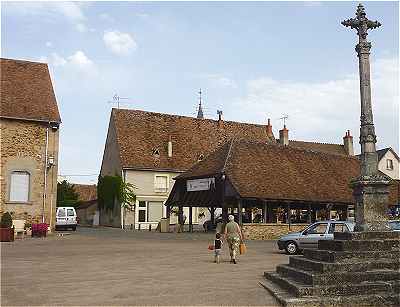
{"x":202,"y":184}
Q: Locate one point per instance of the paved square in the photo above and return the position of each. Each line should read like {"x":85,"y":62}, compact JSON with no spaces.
{"x":108,"y":266}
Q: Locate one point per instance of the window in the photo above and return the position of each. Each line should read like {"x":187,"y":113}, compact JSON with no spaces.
{"x":318,"y":229}
{"x":161,"y":184}
{"x":19,"y":187}
{"x":142,"y":215}
{"x":389,"y":164}
{"x":70,"y":212}
{"x":61,"y":212}
{"x":338,"y":228}
{"x":142,"y":204}
{"x":200,"y":158}
{"x":155,"y":152}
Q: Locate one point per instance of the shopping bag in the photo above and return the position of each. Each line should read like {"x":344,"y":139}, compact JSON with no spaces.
{"x":211,"y":247}
{"x":242,"y":248}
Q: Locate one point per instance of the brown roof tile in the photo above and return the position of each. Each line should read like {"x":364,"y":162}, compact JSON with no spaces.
{"x":321,"y":147}
{"x":140,"y":132}
{"x":27,"y":91}
{"x":270,"y":171}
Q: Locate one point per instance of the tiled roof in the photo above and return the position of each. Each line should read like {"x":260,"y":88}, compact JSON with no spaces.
{"x":383,"y":151}
{"x":321,"y":147}
{"x":270,"y":171}
{"x":140,"y":134}
{"x":86,"y":192}
{"x":27,"y":91}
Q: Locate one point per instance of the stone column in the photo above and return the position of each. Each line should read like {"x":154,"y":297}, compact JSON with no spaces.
{"x":370,"y":189}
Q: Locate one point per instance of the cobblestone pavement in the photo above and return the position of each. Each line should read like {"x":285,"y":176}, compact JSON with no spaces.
{"x":106,"y":266}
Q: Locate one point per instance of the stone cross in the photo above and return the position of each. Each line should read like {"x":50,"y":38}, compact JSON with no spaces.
{"x":371,"y":188}
{"x":369,"y":157}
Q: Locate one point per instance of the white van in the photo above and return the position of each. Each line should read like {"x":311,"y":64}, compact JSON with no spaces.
{"x":66,"y":218}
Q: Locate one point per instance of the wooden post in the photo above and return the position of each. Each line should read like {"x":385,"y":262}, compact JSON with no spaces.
{"x":168,"y":211}
{"x":240,"y":212}
{"x":212,"y":213}
{"x":265,"y":209}
{"x":180,"y":218}
{"x":190,"y":219}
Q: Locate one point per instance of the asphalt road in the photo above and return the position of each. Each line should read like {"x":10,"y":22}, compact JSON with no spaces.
{"x":105,"y":266}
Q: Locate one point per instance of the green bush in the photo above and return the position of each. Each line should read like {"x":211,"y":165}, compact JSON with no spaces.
{"x":6,"y":220}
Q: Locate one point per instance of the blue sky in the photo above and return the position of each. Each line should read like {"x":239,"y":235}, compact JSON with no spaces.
{"x":253,"y":60}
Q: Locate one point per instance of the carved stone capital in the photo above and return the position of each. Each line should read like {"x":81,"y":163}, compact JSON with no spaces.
{"x":363,"y":47}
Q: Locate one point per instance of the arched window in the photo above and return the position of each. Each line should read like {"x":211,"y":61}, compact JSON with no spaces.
{"x":200,"y":158}
{"x":19,"y":186}
{"x":155,"y":152}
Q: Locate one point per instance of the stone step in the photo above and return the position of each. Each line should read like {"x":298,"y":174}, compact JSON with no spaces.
{"x":336,"y":278}
{"x":299,"y":289}
{"x":340,"y":256}
{"x":370,"y":235}
{"x":359,"y":245}
{"x":287,"y":299}
{"x":305,"y":264}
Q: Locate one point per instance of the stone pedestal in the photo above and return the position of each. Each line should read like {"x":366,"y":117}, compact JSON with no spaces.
{"x":354,"y":269}
{"x":371,"y":194}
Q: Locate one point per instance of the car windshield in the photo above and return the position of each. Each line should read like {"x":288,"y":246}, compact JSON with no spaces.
{"x":395,"y":225}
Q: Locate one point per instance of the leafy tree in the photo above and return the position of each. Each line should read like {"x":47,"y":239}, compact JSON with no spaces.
{"x":127,"y":198}
{"x":66,"y":195}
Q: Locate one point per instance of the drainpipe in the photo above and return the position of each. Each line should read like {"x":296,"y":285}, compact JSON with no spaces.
{"x":45,"y":173}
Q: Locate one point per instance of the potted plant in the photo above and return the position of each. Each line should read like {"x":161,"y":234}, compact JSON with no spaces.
{"x":6,"y":229}
{"x":28,"y":228}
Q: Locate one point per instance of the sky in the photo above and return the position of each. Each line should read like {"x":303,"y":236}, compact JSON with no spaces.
{"x":252,"y":60}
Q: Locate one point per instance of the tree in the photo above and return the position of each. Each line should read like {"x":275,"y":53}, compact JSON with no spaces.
{"x":127,"y":198}
{"x":66,"y":195}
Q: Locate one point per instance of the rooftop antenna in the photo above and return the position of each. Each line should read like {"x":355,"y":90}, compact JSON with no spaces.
{"x":284,"y":117}
{"x":200,"y":109}
{"x":116,"y":99}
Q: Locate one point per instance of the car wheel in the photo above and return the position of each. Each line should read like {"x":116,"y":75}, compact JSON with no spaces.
{"x":291,"y":248}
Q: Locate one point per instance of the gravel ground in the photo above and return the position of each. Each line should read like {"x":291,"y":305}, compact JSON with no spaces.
{"x":106,"y":266}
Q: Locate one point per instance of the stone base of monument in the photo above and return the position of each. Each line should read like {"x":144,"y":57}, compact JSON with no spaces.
{"x":354,"y":269}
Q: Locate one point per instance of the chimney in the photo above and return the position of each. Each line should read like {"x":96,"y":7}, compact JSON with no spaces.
{"x":219,"y":112}
{"x":269,"y":129}
{"x":170,"y":147}
{"x":348,"y":144}
{"x":284,"y":136}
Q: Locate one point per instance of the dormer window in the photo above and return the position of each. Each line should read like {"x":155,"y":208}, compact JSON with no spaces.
{"x":155,"y":152}
{"x":200,"y":158}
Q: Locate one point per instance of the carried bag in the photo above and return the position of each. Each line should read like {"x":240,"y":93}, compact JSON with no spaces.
{"x":211,"y":247}
{"x":242,"y":248}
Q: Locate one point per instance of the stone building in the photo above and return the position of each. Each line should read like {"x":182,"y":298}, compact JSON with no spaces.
{"x":388,"y":162}
{"x":149,"y":149}
{"x":29,"y":123}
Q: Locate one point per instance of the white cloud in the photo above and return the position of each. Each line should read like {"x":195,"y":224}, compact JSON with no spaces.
{"x":71,"y":11}
{"x":80,"y":59}
{"x":76,"y":60}
{"x":49,"y":44}
{"x":80,"y":27}
{"x":143,"y":15}
{"x":323,"y":111}
{"x":119,"y":43}
{"x":106,"y":17}
{"x":218,"y":80}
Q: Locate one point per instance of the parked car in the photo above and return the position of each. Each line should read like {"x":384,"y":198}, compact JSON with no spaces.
{"x":294,"y":242}
{"x":66,"y":218}
{"x":395,"y":225}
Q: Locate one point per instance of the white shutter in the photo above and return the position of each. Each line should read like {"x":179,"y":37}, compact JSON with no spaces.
{"x":161,"y":184}
{"x":19,"y":189}
{"x":155,"y":211}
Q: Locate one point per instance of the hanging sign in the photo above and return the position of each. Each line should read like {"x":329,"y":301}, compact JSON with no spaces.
{"x":202,"y":184}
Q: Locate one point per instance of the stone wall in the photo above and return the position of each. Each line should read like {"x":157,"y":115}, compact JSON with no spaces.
{"x":269,"y":231}
{"x":23,"y":147}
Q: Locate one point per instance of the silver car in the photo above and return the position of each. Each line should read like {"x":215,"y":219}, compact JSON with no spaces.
{"x":395,"y":225}
{"x":294,"y":242}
